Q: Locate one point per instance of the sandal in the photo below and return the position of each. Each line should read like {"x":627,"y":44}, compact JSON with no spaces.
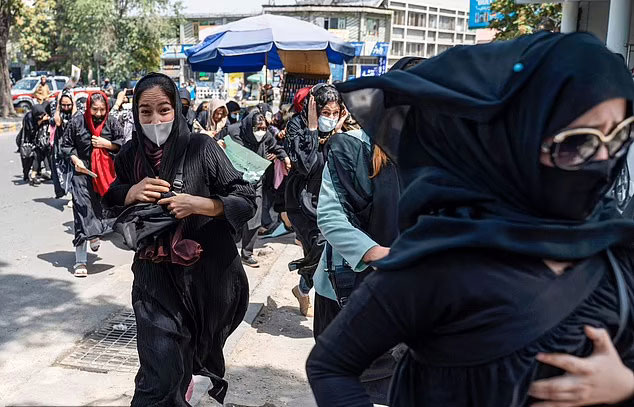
{"x":94,"y":245}
{"x":80,"y":270}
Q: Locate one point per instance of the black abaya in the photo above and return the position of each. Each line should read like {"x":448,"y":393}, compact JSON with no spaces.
{"x":185,"y":314}
{"x":90,"y":221}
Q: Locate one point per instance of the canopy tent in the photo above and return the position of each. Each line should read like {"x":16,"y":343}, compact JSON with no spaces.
{"x":249,"y":44}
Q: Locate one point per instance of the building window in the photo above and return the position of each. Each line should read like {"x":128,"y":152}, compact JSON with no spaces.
{"x":335,"y":23}
{"x":443,"y":10}
{"x":399,"y":17}
{"x":397,"y":48}
{"x":431,"y":50}
{"x":372,"y":27}
{"x":416,"y":19}
{"x":415,"y":35}
{"x":415,"y":49}
{"x":443,"y":48}
{"x":433,"y":21}
{"x":445,"y":37}
{"x":398,"y":33}
{"x":433,"y":9}
{"x":460,"y":25}
{"x":397,"y":4}
{"x":431,"y":36}
{"x":470,"y":39}
{"x":447,"y":23}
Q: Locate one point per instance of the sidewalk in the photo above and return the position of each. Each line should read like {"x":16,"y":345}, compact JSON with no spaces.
{"x":10,"y":124}
{"x":61,"y":385}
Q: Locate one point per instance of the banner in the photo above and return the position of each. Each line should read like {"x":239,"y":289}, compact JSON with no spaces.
{"x":480,"y":13}
{"x":250,"y":164}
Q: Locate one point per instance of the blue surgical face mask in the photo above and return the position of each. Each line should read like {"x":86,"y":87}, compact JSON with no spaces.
{"x":235,"y":116}
{"x":326,"y":124}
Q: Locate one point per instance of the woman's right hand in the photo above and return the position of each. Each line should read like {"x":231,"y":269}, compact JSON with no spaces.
{"x":148,"y":190}
{"x":313,"y":120}
{"x":375,"y":253}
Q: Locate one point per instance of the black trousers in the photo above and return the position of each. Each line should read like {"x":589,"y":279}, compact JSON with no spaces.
{"x":249,"y":236}
{"x":325,"y":311}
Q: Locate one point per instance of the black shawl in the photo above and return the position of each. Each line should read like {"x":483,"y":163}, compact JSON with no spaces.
{"x":466,"y":128}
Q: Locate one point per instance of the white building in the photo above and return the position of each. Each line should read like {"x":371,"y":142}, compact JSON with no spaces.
{"x":426,"y":28}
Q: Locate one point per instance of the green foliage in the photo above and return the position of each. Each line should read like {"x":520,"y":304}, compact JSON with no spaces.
{"x":119,"y":37}
{"x":515,"y":20}
{"x":35,"y":30}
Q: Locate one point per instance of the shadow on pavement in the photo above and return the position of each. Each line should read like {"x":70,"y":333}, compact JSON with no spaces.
{"x":58,"y":204}
{"x":66,"y":260}
{"x":35,"y":308}
{"x":288,"y":318}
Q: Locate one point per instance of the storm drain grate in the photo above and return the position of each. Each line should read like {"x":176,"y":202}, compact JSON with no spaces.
{"x":111,"y":348}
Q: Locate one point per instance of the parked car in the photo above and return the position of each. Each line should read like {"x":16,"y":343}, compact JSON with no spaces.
{"x":23,"y":91}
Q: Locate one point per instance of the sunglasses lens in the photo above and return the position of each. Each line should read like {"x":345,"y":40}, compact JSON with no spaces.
{"x":576,"y":150}
{"x":622,"y":139}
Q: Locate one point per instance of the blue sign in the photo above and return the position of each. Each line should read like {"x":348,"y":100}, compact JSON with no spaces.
{"x":370,"y":70}
{"x":358,"y":48}
{"x":480,"y":13}
{"x":175,"y":51}
{"x":382,"y":65}
{"x":337,"y":72}
{"x":380,"y":49}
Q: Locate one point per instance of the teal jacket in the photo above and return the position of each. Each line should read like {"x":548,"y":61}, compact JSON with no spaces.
{"x":347,"y":241}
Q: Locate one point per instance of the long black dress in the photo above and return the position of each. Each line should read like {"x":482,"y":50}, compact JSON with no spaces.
{"x":473,"y":341}
{"x":184,"y":314}
{"x":90,"y":221}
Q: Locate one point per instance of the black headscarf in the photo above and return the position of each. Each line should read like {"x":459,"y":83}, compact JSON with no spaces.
{"x":176,"y":144}
{"x":471,"y":123}
{"x":37,"y":112}
{"x":246,"y":132}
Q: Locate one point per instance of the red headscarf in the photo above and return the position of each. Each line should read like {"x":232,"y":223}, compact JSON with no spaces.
{"x":298,"y":100}
{"x":102,"y":163}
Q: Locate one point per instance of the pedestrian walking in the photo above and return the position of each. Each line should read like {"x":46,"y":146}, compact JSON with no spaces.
{"x":60,"y":165}
{"x":188,"y":112}
{"x":42,"y":92}
{"x":89,"y":142}
{"x":107,"y":88}
{"x":33,"y":141}
{"x":234,"y":110}
{"x":509,"y":246}
{"x":253,"y":134}
{"x":214,"y":120}
{"x":307,"y":134}
{"x":190,"y":291}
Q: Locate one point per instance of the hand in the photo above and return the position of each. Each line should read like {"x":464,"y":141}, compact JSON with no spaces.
{"x":148,"y":190}
{"x":100,"y":142}
{"x":282,"y":134}
{"x":181,"y":205}
{"x":342,"y":119}
{"x":120,"y":98}
{"x":287,"y":163}
{"x":313,"y":120}
{"x":375,"y":253}
{"x":222,"y":144}
{"x":600,"y":378}
{"x":270,"y":156}
{"x":80,"y":167}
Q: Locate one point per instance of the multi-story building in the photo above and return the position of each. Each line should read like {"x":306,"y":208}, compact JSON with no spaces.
{"x":426,"y":28}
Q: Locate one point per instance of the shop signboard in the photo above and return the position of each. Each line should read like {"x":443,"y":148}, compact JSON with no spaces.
{"x":358,"y":48}
{"x":480,"y":13}
{"x":380,"y":49}
{"x":369,"y":70}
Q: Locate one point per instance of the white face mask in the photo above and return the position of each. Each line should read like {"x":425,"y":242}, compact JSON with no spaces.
{"x":158,"y":133}
{"x":326,"y":125}
{"x":259,"y":135}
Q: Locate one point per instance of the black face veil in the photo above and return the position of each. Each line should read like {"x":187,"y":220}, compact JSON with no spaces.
{"x":465,"y":129}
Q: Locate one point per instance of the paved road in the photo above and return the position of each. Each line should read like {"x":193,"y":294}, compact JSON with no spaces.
{"x":44,"y":310}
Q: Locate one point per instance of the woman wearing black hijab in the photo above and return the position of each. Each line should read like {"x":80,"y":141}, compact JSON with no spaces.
{"x":190,"y":291}
{"x":33,"y":141}
{"x":188,"y":113}
{"x":251,"y":132}
{"x":507,"y":248}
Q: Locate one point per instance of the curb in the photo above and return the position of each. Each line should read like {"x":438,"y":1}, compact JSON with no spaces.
{"x":10,"y":127}
{"x":257,"y":300}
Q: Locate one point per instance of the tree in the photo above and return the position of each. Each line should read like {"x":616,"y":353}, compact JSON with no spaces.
{"x":125,"y":36}
{"x":9,"y":11}
{"x":37,"y":31}
{"x":516,"y":20}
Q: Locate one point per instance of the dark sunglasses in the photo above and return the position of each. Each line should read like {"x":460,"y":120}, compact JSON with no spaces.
{"x":572,"y":148}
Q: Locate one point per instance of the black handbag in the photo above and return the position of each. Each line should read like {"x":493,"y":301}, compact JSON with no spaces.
{"x":141,"y":224}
